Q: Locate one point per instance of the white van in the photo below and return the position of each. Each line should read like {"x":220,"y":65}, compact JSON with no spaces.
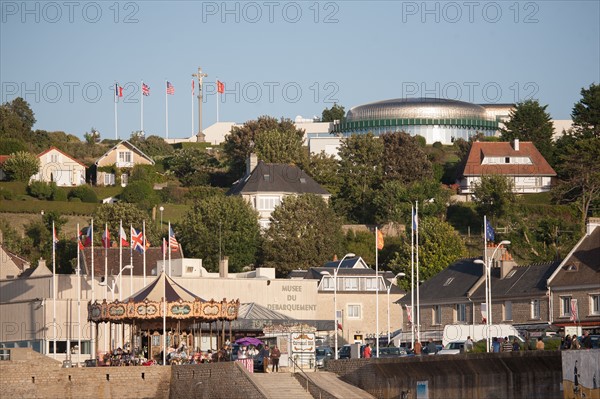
{"x":477,"y":332}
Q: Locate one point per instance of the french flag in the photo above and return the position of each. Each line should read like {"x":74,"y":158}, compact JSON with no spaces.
{"x":118,"y":90}
{"x":87,"y":241}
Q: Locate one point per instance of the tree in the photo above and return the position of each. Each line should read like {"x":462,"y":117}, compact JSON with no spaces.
{"x":16,"y":119}
{"x":586,"y":113}
{"x":153,"y":146}
{"x":129,"y":214}
{"x":325,"y":170}
{"x":141,"y":193}
{"x":21,"y":166}
{"x":335,"y":113}
{"x":529,"y":121}
{"x":221,"y":225}
{"x":192,"y":166}
{"x":361,"y":172}
{"x":239,"y":143}
{"x":304,"y":232}
{"x":92,"y":137}
{"x":493,"y":195}
{"x":439,"y":246}
{"x":273,"y":146}
{"x":9,"y":146}
{"x":403,"y":158}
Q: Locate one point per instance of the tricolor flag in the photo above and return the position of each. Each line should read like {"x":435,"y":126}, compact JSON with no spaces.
{"x":87,"y":241}
{"x":170,"y":89}
{"x":408,"y":314}
{"x":489,"y":231}
{"x":54,"y":236}
{"x":483,"y":313}
{"x":220,"y":87}
{"x":339,"y":326}
{"x":193,"y":87}
{"x":106,"y":238}
{"x":137,"y":240}
{"x":79,"y":243}
{"x":145,"y":89}
{"x":574,"y":313}
{"x":123,"y":237}
{"x":415,"y":220}
{"x":379,"y":240}
{"x":173,"y":244}
{"x":118,"y":90}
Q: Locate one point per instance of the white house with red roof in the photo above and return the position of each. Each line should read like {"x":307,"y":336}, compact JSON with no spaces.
{"x":60,"y":168}
{"x":520,"y":162}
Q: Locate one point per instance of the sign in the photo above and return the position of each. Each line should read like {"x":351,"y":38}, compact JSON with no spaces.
{"x":422,"y":389}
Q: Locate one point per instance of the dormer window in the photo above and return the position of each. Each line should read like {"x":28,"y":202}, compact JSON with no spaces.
{"x":449,"y":281}
{"x":507,"y":160}
{"x":511,"y":273}
{"x":571,"y":267}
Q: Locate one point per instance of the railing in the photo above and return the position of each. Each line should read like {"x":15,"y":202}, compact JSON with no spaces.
{"x":306,"y":377}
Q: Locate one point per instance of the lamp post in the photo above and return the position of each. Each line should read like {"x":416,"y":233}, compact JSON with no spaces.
{"x":388,"y":302}
{"x":487,"y":263}
{"x":161,"y":209}
{"x":335,"y":272}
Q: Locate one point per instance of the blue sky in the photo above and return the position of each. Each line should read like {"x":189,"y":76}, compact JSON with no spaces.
{"x":287,"y":58}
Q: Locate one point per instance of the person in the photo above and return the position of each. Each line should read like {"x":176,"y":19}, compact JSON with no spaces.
{"x":275,"y":355}
{"x":469,"y":344}
{"x":496,"y":345}
{"x":367,"y":352}
{"x":418,"y":347}
{"x":506,"y":345}
{"x":252,"y":351}
{"x":586,"y":342}
{"x":515,"y":345}
{"x":431,"y":348}
{"x":566,"y":342}
{"x":539,"y":345}
{"x":242,"y":353}
{"x":265,"y":353}
{"x":575,"y":344}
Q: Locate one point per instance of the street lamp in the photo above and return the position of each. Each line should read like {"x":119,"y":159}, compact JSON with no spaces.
{"x":388,"y":302}
{"x":161,"y":209}
{"x":488,"y":289}
{"x":326,"y":273}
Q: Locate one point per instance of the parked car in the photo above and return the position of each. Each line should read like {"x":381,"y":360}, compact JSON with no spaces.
{"x":323,"y":353}
{"x":344,"y":352}
{"x":391,"y":351}
{"x":453,"y":348}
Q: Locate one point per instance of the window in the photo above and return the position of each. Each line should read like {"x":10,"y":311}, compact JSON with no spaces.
{"x":437,"y":314}
{"x":565,"y":306}
{"x":189,"y":269}
{"x":461,"y":312}
{"x":351,"y":284}
{"x":109,"y":179}
{"x":507,"y":310}
{"x":124,"y":179}
{"x":511,"y":273}
{"x":54,"y":159}
{"x":535,"y":309}
{"x":449,"y":281}
{"x":507,"y":160}
{"x":327,"y":283}
{"x":371,"y":283}
{"x":595,"y":304}
{"x":267,"y":203}
{"x":124,"y":157}
{"x":354,"y":311}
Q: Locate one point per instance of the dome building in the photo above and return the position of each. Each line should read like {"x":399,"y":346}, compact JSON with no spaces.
{"x":436,"y":119}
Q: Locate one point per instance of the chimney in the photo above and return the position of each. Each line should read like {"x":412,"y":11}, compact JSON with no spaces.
{"x":42,"y":262}
{"x":224,"y":267}
{"x":251,"y":163}
{"x":593,"y":223}
{"x":506,"y":264}
{"x":516,"y":145}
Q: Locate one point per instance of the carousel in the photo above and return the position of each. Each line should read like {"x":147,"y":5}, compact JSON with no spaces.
{"x":145,"y":324}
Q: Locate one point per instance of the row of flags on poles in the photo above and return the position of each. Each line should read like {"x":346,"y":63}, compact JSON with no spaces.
{"x":170,"y":89}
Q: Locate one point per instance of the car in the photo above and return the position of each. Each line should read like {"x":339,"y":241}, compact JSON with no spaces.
{"x":344,"y":352}
{"x":323,"y":354}
{"x":391,"y":351}
{"x":453,"y":348}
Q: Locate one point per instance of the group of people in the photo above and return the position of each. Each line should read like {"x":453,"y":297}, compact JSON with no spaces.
{"x":573,"y":342}
{"x":267,"y":355}
{"x":429,"y":349}
{"x":500,"y":344}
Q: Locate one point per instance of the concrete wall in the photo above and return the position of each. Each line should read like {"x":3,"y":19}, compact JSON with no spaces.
{"x":505,"y":375}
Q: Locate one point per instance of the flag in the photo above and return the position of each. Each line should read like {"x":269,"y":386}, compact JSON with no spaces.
{"x":173,"y":244}
{"x":88,"y":237}
{"x":147,"y":243}
{"x":164,"y":246}
{"x":170,"y":89}
{"x":415,"y":220}
{"x":118,"y":90}
{"x":574,"y":315}
{"x":339,"y":326}
{"x":489,"y":231}
{"x":193,"y":87}
{"x":483,"y":313}
{"x":145,"y":89}
{"x":137,"y":240}
{"x":123,"y":237}
{"x":106,"y":239}
{"x":408,"y":314}
{"x":79,"y":243}
{"x":54,"y":236}
{"x":379,"y":240}
{"x":220,"y":87}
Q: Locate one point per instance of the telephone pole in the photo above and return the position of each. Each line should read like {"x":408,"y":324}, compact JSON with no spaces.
{"x":200,"y":75}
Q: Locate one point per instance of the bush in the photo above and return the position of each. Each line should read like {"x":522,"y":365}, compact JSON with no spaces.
{"x":41,"y":190}
{"x":141,"y":193}
{"x":437,"y":145}
{"x":84,"y":193}
{"x":5,"y":194}
{"x":421,"y":140}
{"x":59,"y":195}
{"x":74,"y":199}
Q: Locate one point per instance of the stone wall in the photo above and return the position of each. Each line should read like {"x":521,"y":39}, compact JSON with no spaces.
{"x":227,"y":380}
{"x":528,"y":374}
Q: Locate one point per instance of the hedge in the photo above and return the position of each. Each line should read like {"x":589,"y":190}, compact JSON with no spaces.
{"x":67,"y":208}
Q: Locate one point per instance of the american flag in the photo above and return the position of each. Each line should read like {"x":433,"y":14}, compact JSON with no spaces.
{"x":173,"y":244}
{"x":408,"y":313}
{"x":170,"y":89}
{"x":145,"y":89}
{"x":574,"y":315}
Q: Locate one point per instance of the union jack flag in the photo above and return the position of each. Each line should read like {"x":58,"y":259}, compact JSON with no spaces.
{"x":145,"y":89}
{"x":137,"y":240}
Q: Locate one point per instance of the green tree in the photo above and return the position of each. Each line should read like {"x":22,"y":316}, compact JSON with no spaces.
{"x":239,"y":143}
{"x":403,"y":158}
{"x":9,"y":146}
{"x":21,"y":166}
{"x":439,"y":246}
{"x":304,"y":232}
{"x":140,"y":192}
{"x":92,"y":137}
{"x":335,"y":113}
{"x":361,"y":171}
{"x":529,"y":121}
{"x":493,"y":195}
{"x":129,"y":214}
{"x":192,"y":166}
{"x":221,"y":225}
{"x":285,"y":146}
{"x":16,"y":119}
{"x":586,"y":113}
{"x":325,"y":170}
{"x":153,"y":146}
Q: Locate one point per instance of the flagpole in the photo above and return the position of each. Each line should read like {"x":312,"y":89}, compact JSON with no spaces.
{"x":485,"y":270}
{"x":169,"y":248}
{"x":120,"y":259}
{"x":166,"y":111}
{"x":377,"y":291}
{"x":116,"y":100}
{"x":412,"y":276}
{"x":164,"y":316}
{"x":417,"y":257}
{"x":54,"y":287}
{"x":78,"y":297}
{"x":142,"y":104}
{"x":144,"y":231}
{"x":106,"y":241}
{"x":131,"y":261}
{"x":217,"y":100}
{"x":192,"y":106}
{"x":93,"y":345}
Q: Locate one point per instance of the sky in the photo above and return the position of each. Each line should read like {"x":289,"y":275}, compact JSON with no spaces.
{"x":286,"y":58}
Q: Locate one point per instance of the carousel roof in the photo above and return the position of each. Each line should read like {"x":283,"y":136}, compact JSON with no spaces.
{"x":163,"y":286}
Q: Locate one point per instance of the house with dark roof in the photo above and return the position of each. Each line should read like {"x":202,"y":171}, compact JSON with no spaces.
{"x":456,"y":295}
{"x":59,"y":167}
{"x":115,"y":164}
{"x":520,"y":162}
{"x":266,"y":184}
{"x":357,"y":289}
{"x":574,"y":287}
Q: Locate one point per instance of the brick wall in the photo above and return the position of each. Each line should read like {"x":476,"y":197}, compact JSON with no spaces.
{"x":505,"y":375}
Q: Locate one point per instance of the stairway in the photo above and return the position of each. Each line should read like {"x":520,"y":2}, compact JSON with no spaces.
{"x":280,"y":385}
